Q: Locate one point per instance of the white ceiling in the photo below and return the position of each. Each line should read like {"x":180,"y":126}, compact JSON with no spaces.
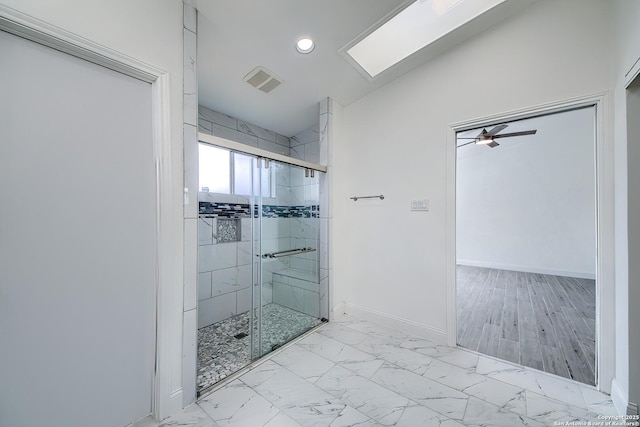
{"x":235,"y":36}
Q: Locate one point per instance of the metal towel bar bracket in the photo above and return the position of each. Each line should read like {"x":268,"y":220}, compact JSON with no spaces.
{"x":355,"y":198}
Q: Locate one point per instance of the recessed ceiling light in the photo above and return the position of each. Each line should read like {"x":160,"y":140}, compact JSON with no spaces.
{"x":305,"y":45}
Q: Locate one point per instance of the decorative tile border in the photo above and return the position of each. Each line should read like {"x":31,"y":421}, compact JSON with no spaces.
{"x":231,"y":210}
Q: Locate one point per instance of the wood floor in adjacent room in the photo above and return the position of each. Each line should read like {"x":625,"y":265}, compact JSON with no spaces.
{"x":541,"y":321}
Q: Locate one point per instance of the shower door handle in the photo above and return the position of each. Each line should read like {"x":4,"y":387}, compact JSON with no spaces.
{"x":288,"y":253}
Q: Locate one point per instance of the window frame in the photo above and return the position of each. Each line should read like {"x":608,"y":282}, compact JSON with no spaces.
{"x":232,"y":169}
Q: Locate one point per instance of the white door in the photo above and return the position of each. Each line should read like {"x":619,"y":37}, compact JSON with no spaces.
{"x":77,"y":241}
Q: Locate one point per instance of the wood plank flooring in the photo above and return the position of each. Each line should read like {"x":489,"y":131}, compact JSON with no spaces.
{"x":537,"y":320}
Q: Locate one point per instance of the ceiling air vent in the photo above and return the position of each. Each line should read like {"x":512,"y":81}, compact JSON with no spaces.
{"x":263,"y":79}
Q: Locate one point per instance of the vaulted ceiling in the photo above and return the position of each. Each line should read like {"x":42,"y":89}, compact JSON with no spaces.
{"x":236,"y":36}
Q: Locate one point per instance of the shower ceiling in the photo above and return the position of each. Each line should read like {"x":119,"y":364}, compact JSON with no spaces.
{"x":234,"y":37}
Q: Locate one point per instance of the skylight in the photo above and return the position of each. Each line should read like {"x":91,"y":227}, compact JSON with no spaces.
{"x":418,"y":25}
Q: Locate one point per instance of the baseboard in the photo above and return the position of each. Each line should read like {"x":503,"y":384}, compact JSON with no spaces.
{"x":620,"y":400}
{"x":550,"y":271}
{"x":394,"y":322}
{"x":337,"y":311}
{"x":173,"y":404}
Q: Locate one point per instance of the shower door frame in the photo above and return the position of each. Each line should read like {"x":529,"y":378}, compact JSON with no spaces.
{"x":260,"y":156}
{"x":257,"y":152}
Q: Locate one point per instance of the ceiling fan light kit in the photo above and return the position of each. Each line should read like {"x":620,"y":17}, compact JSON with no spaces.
{"x":487,"y":137}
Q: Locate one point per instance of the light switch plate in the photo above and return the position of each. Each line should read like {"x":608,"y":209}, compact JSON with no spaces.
{"x":420,"y":205}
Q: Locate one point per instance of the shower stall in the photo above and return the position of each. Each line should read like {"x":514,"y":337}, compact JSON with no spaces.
{"x":258,"y":255}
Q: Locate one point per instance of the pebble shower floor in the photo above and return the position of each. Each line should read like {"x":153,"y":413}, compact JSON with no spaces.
{"x":224,"y":347}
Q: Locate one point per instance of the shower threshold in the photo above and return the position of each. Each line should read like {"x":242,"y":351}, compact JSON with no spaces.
{"x":224,"y":347}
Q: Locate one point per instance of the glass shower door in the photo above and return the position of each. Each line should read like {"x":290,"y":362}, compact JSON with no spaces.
{"x":288,"y":290}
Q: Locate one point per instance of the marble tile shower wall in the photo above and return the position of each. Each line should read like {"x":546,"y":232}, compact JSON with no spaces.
{"x":293,"y":188}
{"x":217,"y":124}
{"x":306,"y":145}
{"x":224,"y":267}
{"x":225,"y":258}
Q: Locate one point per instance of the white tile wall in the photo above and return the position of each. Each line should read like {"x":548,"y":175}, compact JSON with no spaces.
{"x":190,"y":239}
{"x":214,"y":310}
{"x":191,"y":169}
{"x":204,"y":285}
{"x":189,"y":354}
{"x":257,"y":131}
{"x":244,"y":253}
{"x":234,"y":135}
{"x":229,"y":280}
{"x":243,"y":303}
{"x":211,"y":116}
{"x":205,"y":231}
{"x":224,"y":126}
{"x":273,"y":147}
{"x":216,"y":257}
{"x":297,"y":294}
{"x":190,"y":270}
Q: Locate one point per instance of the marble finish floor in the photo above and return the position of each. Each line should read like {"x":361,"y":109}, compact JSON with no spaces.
{"x":352,"y":372}
{"x":223,"y":350}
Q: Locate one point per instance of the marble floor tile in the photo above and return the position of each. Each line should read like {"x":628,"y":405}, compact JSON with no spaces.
{"x":500,"y":394}
{"x":452,"y":376}
{"x":303,"y":363}
{"x":558,"y":388}
{"x":281,"y":420}
{"x":598,"y":402}
{"x":481,"y":413}
{"x":238,"y":404}
{"x":367,"y":397}
{"x":421,"y":416}
{"x":304,"y":402}
{"x":191,"y":416}
{"x":336,"y":377}
{"x":350,"y":417}
{"x":548,"y":411}
{"x":403,"y":357}
{"x":345,"y":335}
{"x":442,"y":399}
{"x":344,"y":354}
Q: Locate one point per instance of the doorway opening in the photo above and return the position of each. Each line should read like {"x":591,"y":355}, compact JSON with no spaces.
{"x":526,"y":241}
{"x":258,"y":258}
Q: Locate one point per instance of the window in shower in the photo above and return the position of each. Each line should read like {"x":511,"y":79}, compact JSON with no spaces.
{"x":226,"y":172}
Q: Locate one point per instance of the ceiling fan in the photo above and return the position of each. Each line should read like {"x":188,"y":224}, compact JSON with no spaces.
{"x":487,"y":137}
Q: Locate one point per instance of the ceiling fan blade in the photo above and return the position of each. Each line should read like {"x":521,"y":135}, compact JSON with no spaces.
{"x":492,"y":144}
{"x":496,"y":129}
{"x":466,"y":143}
{"x":524,"y":132}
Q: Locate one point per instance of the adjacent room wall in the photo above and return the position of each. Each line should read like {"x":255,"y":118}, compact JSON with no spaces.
{"x":529,"y":204}
{"x":394,"y":143}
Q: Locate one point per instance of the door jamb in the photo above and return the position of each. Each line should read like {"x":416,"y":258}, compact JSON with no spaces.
{"x":604,"y":158}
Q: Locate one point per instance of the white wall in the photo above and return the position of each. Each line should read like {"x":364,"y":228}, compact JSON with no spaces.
{"x":627,"y":349}
{"x":394,"y":143}
{"x":529,"y":204}
{"x":152,"y":32}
